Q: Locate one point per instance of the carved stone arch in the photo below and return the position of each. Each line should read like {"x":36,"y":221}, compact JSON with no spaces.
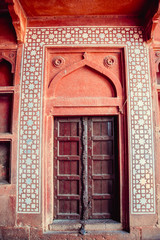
{"x":107,"y":73}
{"x":9,"y":57}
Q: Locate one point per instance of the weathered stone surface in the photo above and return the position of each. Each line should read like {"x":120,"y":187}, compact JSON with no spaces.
{"x":7,"y":210}
{"x":14,"y":234}
{"x":111,"y":235}
{"x":31,"y":220}
{"x":27,"y":233}
{"x":151,"y":233}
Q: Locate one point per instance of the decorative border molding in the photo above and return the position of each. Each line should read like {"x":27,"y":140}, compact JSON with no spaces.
{"x":140,"y":125}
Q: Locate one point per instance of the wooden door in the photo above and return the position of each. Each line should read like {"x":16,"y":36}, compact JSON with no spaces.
{"x":101,"y":161}
{"x":67,"y":181}
{"x":85,"y":163}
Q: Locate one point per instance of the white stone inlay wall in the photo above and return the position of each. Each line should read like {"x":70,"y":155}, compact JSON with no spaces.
{"x":141,"y":142}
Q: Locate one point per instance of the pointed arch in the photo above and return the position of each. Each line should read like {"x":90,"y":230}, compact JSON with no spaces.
{"x":104,"y":71}
{"x":7,"y":59}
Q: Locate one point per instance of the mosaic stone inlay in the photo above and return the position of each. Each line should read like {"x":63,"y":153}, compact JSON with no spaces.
{"x":141,"y":162}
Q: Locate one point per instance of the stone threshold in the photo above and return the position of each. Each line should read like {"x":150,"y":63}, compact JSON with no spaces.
{"x":89,"y":226}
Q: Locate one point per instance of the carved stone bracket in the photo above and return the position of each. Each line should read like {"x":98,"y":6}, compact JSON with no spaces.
{"x":156,"y":24}
{"x":109,"y":61}
{"x":9,"y":56}
{"x":19,"y":19}
{"x":157,"y":60}
{"x":152,"y":25}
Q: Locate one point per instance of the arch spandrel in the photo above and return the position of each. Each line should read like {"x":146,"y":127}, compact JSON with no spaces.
{"x":110,"y":77}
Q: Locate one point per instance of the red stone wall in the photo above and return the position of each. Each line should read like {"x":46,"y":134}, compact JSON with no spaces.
{"x":26,"y":203}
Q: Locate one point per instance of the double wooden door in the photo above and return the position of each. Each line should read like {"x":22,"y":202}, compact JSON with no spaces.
{"x":85,"y":168}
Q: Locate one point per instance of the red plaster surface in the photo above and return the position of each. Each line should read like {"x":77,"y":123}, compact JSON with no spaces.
{"x":90,"y":7}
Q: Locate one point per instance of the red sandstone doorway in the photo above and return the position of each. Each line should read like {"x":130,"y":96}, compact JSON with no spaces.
{"x":79,"y":83}
{"x":86,"y":168}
